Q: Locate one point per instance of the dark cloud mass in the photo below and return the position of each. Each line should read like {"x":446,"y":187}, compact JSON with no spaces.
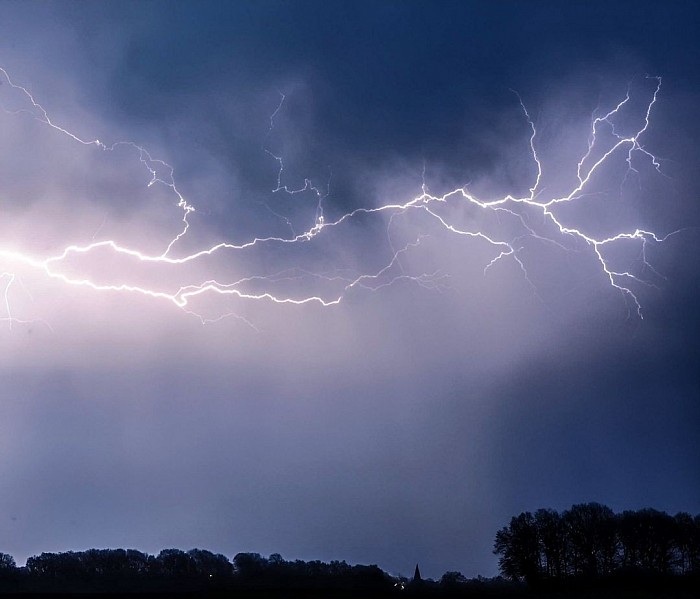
{"x":406,"y":424}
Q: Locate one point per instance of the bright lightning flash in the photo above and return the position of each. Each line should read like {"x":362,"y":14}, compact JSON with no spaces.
{"x":605,"y":143}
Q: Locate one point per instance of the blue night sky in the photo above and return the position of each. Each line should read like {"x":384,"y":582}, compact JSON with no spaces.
{"x":410,"y":420}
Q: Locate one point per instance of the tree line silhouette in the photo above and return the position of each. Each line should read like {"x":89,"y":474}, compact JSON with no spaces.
{"x":196,"y":570}
{"x":589,"y":541}
{"x":585,"y":543}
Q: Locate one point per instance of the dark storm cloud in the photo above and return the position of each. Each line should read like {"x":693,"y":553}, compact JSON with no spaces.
{"x":405,"y":425}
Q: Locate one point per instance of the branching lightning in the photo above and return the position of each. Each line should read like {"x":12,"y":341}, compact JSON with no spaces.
{"x":553,"y":227}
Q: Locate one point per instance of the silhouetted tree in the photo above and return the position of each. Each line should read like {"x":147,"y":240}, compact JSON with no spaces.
{"x":647,"y":537}
{"x":139,"y":563}
{"x":8,"y":568}
{"x":694,"y":545}
{"x":210,"y":565}
{"x":592,"y":539}
{"x":56,"y":566}
{"x":519,"y":549}
{"x":176,"y":563}
{"x":249,"y":566}
{"x":452,"y":580}
{"x":7,"y":562}
{"x":553,"y":542}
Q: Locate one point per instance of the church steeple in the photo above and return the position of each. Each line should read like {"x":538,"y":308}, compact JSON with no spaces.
{"x":416,"y":575}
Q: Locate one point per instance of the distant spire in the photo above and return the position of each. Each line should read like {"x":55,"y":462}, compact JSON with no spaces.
{"x":416,"y":575}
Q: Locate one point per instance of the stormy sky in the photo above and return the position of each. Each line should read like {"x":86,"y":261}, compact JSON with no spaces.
{"x":411,"y":420}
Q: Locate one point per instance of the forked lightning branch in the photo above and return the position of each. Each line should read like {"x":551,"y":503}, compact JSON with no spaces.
{"x":606,"y":142}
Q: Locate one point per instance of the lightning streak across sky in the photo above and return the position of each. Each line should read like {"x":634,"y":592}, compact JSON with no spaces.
{"x":605,"y":143}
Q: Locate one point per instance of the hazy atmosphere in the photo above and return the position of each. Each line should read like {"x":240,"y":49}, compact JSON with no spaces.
{"x":344,"y":280}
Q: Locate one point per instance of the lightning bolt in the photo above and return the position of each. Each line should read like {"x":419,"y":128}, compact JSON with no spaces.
{"x":606,"y":140}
